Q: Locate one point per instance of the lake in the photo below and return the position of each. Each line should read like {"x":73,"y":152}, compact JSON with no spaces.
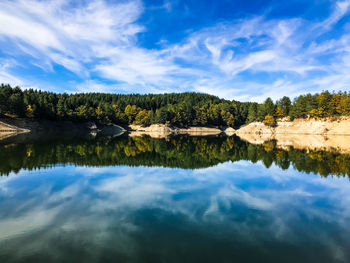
{"x":178,"y":199}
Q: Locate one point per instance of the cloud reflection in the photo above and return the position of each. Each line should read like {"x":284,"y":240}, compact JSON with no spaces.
{"x":114,"y":208}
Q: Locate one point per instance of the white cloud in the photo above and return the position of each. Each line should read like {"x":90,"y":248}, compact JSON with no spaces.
{"x":68,"y":36}
{"x":340,"y":9}
{"x":246,"y":59}
{"x":136,"y":66}
{"x":7,"y":77}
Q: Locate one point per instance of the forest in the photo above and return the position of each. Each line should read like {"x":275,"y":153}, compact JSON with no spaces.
{"x":177,"y":109}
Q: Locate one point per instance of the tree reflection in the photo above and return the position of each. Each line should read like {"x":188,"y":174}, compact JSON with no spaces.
{"x":178,"y":151}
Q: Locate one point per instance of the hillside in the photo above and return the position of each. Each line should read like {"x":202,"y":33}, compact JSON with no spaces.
{"x":183,"y":110}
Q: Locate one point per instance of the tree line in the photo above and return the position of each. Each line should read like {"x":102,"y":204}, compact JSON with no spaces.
{"x":319,"y":105}
{"x":178,"y":109}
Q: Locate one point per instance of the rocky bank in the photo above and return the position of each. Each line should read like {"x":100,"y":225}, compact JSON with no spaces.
{"x":162,"y":130}
{"x":339,"y":126}
{"x":309,"y":134}
{"x":12,"y":126}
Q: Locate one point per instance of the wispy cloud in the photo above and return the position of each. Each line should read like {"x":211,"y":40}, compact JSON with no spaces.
{"x":115,"y":204}
{"x":5,"y":75}
{"x":55,"y":32}
{"x":98,"y":42}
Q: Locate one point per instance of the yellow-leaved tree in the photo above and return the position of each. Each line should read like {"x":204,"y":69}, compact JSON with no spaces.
{"x":30,"y":111}
{"x":269,"y":120}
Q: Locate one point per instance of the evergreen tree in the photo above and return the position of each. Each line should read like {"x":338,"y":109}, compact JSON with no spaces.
{"x":253,"y":112}
{"x":182,"y":109}
{"x":269,"y":107}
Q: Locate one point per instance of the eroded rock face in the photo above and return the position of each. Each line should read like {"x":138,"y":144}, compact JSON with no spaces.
{"x":302,"y":134}
{"x":155,"y":130}
{"x":230,"y":131}
{"x":162,"y":130}
{"x":6,"y":127}
{"x":255,"y":128}
{"x":201,"y":131}
{"x":340,"y":126}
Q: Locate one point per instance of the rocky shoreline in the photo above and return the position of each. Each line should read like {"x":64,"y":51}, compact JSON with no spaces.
{"x":37,"y":128}
{"x":15,"y":126}
{"x":162,"y":130}
{"x":326,"y":126}
{"x":308,"y":134}
{"x":303,"y":134}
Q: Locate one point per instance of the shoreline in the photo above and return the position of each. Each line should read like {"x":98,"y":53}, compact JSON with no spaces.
{"x":308,"y":142}
{"x":14,"y":126}
{"x":307,"y":134}
{"x":325,"y":126}
{"x":162,"y":131}
{"x":303,"y":134}
{"x":32,"y":127}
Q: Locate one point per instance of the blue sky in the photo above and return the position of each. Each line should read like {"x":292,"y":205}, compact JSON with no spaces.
{"x":243,"y":50}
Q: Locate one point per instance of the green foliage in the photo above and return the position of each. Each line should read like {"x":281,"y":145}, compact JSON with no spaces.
{"x":280,"y":113}
{"x":144,"y":117}
{"x":253,"y":112}
{"x":162,"y":115}
{"x":269,"y":107}
{"x":284,"y":106}
{"x":30,"y":111}
{"x":269,"y":120}
{"x":179,"y":109}
{"x":178,"y":151}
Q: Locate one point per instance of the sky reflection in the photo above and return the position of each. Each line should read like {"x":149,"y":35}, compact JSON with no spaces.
{"x":233,"y":210}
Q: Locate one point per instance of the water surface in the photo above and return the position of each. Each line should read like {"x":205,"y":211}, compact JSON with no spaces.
{"x":180,"y":199}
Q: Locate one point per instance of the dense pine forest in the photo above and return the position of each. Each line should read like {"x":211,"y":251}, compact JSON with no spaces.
{"x":178,"y":109}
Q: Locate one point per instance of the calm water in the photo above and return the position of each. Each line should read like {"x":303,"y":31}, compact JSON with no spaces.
{"x":180,"y":199}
